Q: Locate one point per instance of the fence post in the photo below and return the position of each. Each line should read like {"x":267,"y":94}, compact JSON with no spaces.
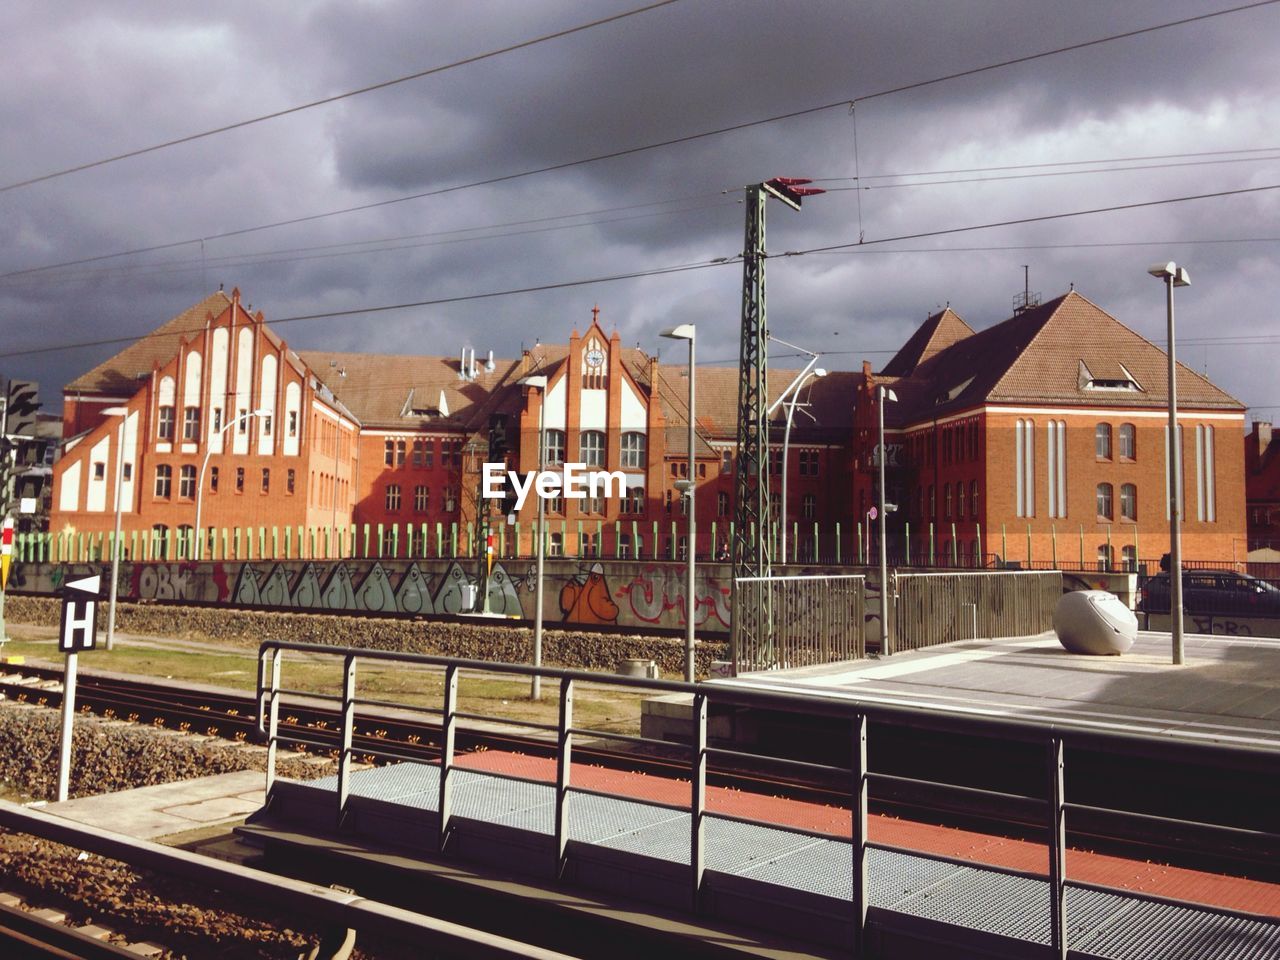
{"x":837,"y":541}
{"x":954,"y":555}
{"x":564,"y":759}
{"x":1057,"y":853}
{"x":1082,"y":546}
{"x":1004,"y":543}
{"x":698,"y":800}
{"x":1110,"y":557}
{"x":272,"y":697}
{"x":448,"y":730}
{"x":859,"y":541}
{"x":933,"y":558}
{"x":1053,"y":535}
{"x":859,"y":834}
{"x":348,"y":724}
{"x":906,"y":543}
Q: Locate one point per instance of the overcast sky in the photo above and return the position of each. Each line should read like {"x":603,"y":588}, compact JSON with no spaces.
{"x":83,"y":81}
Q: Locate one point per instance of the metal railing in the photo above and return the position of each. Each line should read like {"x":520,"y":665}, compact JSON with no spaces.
{"x":798,"y":621}
{"x":328,"y":909}
{"x":935,"y":608}
{"x":1049,"y":808}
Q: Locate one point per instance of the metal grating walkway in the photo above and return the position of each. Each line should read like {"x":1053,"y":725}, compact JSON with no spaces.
{"x":642,"y":850}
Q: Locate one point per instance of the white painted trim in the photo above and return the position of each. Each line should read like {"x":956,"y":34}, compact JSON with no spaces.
{"x":332,"y":414}
{"x":413,"y":435}
{"x":1114,"y":413}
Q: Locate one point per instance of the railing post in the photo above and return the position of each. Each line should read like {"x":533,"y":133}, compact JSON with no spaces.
{"x":448,"y":729}
{"x":1057,"y":853}
{"x":564,"y":760}
{"x":859,"y":809}
{"x":698,"y":800}
{"x":348,"y":731}
{"x":273,"y":719}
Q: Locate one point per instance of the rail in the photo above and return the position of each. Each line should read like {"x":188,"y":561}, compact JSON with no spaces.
{"x":936,"y":608}
{"x":329,"y":909}
{"x":799,"y":621}
{"x":1050,"y":806}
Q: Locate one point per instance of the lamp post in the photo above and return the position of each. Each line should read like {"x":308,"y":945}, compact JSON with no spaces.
{"x":205,"y":463}
{"x":538,"y":383}
{"x":1174,"y":276}
{"x":687,"y":331}
{"x":786,"y":446}
{"x":115,"y":542}
{"x":885,"y":394}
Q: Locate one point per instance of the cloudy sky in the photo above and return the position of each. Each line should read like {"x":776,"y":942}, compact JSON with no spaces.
{"x":83,"y":81}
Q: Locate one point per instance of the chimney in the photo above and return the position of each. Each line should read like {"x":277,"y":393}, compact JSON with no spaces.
{"x":1262,"y":429}
{"x":524,"y":363}
{"x":489,"y":365}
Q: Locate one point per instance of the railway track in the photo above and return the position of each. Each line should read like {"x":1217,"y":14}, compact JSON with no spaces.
{"x":905,"y":753}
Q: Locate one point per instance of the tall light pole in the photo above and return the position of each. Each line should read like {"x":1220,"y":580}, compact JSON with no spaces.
{"x":1174,"y":276}
{"x":686,"y":331}
{"x":205,"y":463}
{"x":115,"y":542}
{"x":885,"y":394}
{"x":538,"y":383}
{"x":791,"y":393}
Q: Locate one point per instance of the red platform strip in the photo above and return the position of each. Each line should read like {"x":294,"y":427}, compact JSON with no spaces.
{"x":1176,"y":883}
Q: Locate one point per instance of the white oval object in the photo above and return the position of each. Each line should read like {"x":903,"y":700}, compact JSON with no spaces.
{"x":1094,"y":622}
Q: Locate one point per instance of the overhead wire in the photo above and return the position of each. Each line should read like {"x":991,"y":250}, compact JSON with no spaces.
{"x":687,"y":138}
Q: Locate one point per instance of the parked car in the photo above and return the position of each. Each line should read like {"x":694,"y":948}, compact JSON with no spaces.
{"x":1214,"y":593}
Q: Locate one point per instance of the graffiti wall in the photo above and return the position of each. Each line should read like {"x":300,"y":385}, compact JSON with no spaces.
{"x":618,"y":593}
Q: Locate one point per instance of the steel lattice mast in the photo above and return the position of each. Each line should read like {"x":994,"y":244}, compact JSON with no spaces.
{"x":752,"y":549}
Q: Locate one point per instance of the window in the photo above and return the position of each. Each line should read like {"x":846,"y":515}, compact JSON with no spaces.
{"x":400,"y":450}
{"x":99,"y":471}
{"x":450,"y":500}
{"x":555,"y":505}
{"x":555,"y":546}
{"x":164,"y":426}
{"x":421,"y":498}
{"x":454,"y":453}
{"x":127,"y":472}
{"x":266,"y":479}
{"x":591,"y":544}
{"x":633,"y":501}
{"x":1129,"y":557}
{"x":722,"y":504}
{"x":591,"y":448}
{"x":290,"y":480}
{"x":775,"y":462}
{"x":1105,"y":556}
{"x":239,"y":479}
{"x":266,"y":424}
{"x":186,"y":482}
{"x":1102,"y":441}
{"x":960,"y":500}
{"x":217,"y":419}
{"x":389,"y":541}
{"x":388,"y":453}
{"x":242,"y":421}
{"x":1129,"y":502}
{"x":213,"y":479}
{"x":1104,"y":501}
{"x":553,"y":447}
{"x":419,"y":447}
{"x":808,"y":463}
{"x":973,"y":499}
{"x":726,"y":461}
{"x":164,"y":478}
{"x":594,"y":506}
{"x":946,"y":500}
{"x":293,"y":422}
{"x":428,"y":453}
{"x":1057,"y":472}
{"x":1024,"y":470}
{"x":393,"y":497}
{"x":1128,"y":442}
{"x":191,"y":423}
{"x":775,"y":504}
{"x":809,"y":506}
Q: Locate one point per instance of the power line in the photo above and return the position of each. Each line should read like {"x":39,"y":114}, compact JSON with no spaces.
{"x":688,"y":138}
{"x":336,"y":97}
{"x":680,"y":268}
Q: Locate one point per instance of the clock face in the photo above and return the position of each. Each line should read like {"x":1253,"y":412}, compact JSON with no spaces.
{"x":595,"y":358}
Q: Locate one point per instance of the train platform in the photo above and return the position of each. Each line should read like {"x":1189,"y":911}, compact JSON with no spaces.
{"x":1227,"y":691}
{"x":790,"y":870}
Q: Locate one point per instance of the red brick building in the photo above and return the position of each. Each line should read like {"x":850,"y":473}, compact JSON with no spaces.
{"x":221,"y":416}
{"x":1262,"y":486}
{"x":1044,"y":438}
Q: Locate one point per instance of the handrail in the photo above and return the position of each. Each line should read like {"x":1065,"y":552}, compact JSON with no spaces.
{"x":331,"y":908}
{"x":1053,"y":737}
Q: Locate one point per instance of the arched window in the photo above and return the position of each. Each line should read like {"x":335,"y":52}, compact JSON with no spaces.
{"x":1128,"y":442}
{"x":722,"y":504}
{"x":553,"y":450}
{"x":809,"y":506}
{"x":1104,"y":501}
{"x":164,"y":481}
{"x":973,"y":499}
{"x":1102,"y":441}
{"x":634,"y":447}
{"x":946,"y":495}
{"x":591,"y":448}
{"x":1129,"y":502}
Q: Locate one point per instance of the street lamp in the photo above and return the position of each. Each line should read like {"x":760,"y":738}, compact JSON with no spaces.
{"x":1174,"y":276}
{"x":115,"y":543}
{"x":260,"y":412}
{"x":792,"y":392}
{"x":885,"y":650}
{"x":538,"y":383}
{"x":687,"y":331}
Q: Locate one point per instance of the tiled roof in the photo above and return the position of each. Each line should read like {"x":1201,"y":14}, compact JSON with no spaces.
{"x":1035,"y":356}
{"x":934,"y":335}
{"x":119,"y":374}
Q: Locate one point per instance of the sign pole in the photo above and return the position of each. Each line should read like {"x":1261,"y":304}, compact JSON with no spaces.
{"x":79,"y":632}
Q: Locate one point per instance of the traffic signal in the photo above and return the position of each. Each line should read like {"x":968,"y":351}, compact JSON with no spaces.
{"x":22,"y":400}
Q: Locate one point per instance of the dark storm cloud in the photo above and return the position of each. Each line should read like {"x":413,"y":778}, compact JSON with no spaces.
{"x":84,"y":81}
